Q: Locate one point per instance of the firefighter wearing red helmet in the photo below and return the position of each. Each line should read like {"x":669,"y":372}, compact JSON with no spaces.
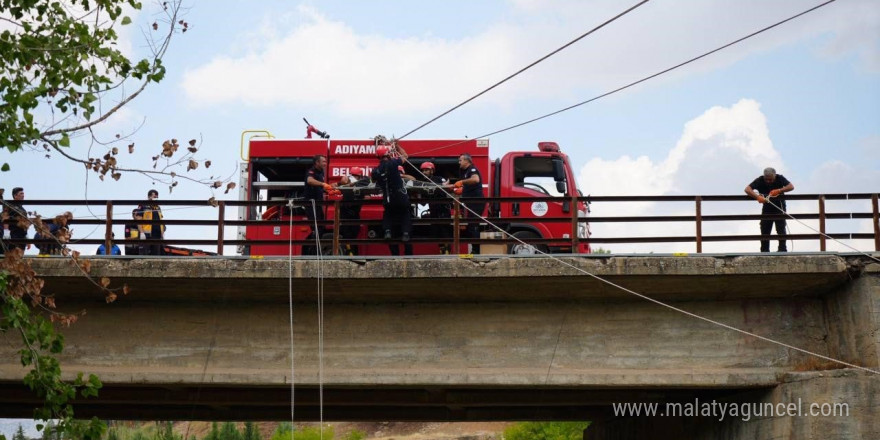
{"x":395,"y":200}
{"x":438,"y":210}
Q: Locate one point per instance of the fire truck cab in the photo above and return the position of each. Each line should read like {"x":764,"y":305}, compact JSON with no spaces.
{"x":275,"y":170}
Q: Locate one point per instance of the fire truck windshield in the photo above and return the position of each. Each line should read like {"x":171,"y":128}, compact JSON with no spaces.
{"x":538,"y":174}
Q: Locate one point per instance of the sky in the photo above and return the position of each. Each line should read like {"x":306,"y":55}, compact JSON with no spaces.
{"x":803,"y":98}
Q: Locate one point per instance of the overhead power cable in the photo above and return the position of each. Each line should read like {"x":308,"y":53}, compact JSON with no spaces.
{"x":662,"y":72}
{"x":539,"y":60}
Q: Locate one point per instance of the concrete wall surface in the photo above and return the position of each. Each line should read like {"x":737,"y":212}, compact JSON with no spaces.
{"x":833,"y":404}
{"x":470,"y":339}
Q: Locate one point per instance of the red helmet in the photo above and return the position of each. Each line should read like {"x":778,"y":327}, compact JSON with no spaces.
{"x":426,"y":166}
{"x":356,"y":171}
{"x":400,"y":168}
{"x":383,"y":150}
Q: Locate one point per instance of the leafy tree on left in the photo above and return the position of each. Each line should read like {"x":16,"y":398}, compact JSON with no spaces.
{"x":62,"y":75}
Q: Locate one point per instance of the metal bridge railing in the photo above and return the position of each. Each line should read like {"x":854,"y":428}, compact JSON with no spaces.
{"x":698,"y":219}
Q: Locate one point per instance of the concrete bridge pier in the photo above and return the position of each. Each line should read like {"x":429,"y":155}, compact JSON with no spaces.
{"x":827,"y":403}
{"x":852,"y":394}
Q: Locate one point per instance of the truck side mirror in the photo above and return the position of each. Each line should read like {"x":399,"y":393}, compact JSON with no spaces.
{"x":559,"y":175}
{"x":558,"y":170}
{"x":561,"y":187}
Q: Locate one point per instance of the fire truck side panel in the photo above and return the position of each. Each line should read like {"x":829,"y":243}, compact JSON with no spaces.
{"x":277,"y":170}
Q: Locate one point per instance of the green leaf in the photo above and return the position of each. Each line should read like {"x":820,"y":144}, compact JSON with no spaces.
{"x":5,"y":167}
{"x":65,"y":140}
{"x":126,"y":20}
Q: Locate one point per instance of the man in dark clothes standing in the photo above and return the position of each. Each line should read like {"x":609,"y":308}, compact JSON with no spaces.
{"x":315,"y":188}
{"x":15,"y":213}
{"x":395,"y":200}
{"x":771,"y":187}
{"x":471,"y":185}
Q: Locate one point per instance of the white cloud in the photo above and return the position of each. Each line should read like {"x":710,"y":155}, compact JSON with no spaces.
{"x":308,"y":59}
{"x":719,"y":152}
{"x":715,"y":150}
{"x":325,"y":63}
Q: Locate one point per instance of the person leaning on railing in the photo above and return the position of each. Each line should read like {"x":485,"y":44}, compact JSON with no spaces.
{"x":14,"y":212}
{"x":769,"y":190}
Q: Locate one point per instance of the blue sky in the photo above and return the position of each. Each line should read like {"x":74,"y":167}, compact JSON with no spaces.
{"x":806,"y":95}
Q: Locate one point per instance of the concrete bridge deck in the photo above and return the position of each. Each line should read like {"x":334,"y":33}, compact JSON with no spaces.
{"x":460,"y":339}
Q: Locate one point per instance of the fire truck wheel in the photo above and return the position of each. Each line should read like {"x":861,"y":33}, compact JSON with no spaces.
{"x":522,"y":249}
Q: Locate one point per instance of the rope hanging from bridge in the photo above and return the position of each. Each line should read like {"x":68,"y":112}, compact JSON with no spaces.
{"x":647,"y":298}
{"x":820,"y":232}
{"x":290,"y":310}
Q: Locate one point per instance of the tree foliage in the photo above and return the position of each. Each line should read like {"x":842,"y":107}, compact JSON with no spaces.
{"x":251,"y":432}
{"x":284,"y":431}
{"x":19,"y":434}
{"x":62,"y":75}
{"x":60,"y":60}
{"x":546,"y":431}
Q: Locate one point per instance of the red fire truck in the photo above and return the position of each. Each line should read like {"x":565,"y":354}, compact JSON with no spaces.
{"x":275,"y":170}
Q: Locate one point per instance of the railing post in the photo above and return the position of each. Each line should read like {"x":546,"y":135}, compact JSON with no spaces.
{"x":699,"y":206}
{"x":575,"y":241}
{"x":108,"y":233}
{"x":336,"y":227}
{"x":456,"y":233}
{"x":822,"y":223}
{"x":876,"y":223}
{"x":221,"y":216}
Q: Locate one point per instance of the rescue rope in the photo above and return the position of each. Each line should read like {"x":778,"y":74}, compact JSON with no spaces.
{"x":320,"y":257}
{"x":647,"y":298}
{"x":820,"y":233}
{"x":290,"y":311}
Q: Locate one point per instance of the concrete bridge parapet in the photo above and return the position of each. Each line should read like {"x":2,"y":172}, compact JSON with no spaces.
{"x":462,"y":339}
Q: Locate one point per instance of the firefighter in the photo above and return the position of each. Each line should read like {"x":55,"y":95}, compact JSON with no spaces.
{"x":771,"y":187}
{"x":405,"y":176}
{"x":394,"y":197}
{"x":351,"y":211}
{"x":315,"y":188}
{"x":437,"y":210}
{"x":471,"y":185}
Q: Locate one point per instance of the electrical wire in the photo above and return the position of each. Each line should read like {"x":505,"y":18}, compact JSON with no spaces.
{"x":662,"y":72}
{"x":538,"y":61}
{"x":642,"y":296}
